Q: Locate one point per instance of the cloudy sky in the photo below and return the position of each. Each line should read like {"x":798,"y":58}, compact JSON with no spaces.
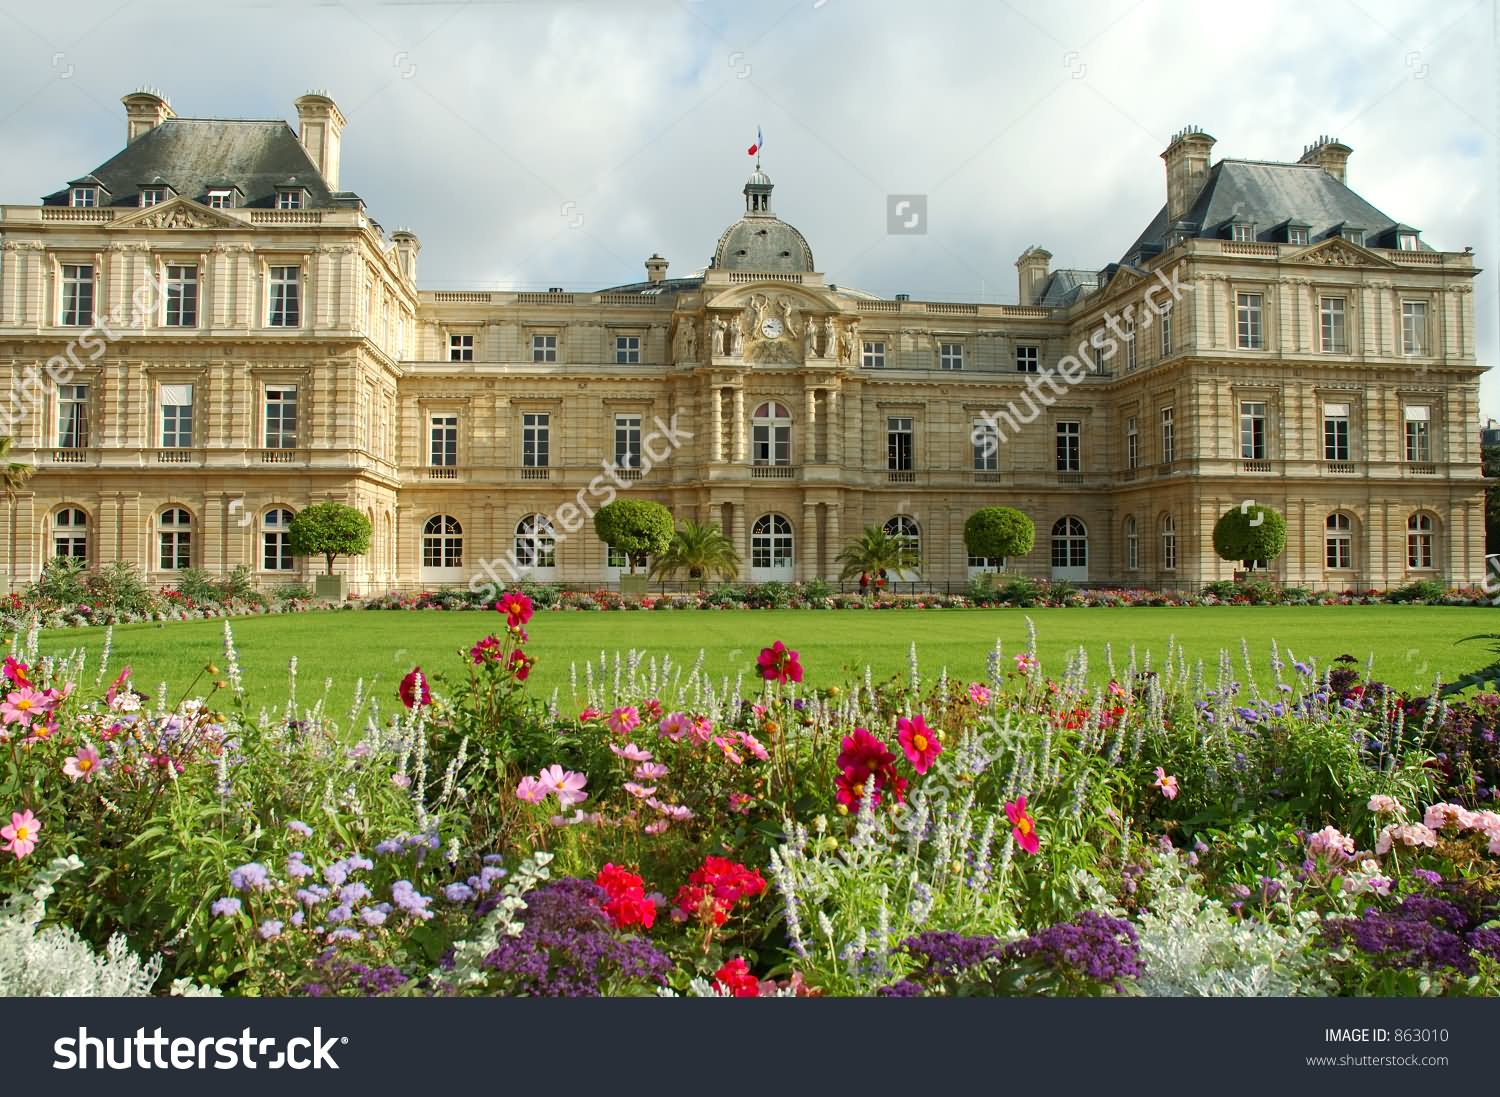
{"x":535,"y":143}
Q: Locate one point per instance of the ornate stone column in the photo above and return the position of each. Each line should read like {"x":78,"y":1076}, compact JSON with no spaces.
{"x":741,"y":454}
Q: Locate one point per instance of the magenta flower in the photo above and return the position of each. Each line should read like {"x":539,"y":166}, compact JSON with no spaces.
{"x":413,"y":689}
{"x":1023,"y":826}
{"x":623,"y":720}
{"x":631,"y":753}
{"x":20,"y":835}
{"x":675,"y":726}
{"x":979,"y":693}
{"x":565,"y":783}
{"x":531,"y":790}
{"x":84,"y":764}
{"x":777,"y":663}
{"x":919,"y":743}
{"x":1167,"y":784}
{"x":23,"y":705}
{"x":1025,"y":661}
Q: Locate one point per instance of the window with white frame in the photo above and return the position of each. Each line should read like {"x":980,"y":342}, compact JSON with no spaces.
{"x":627,"y":350}
{"x":1131,"y":358}
{"x":535,"y":542}
{"x":153,"y":196}
{"x":1168,"y":436}
{"x":1132,"y":443}
{"x":176,"y":416}
{"x":442,"y":542}
{"x":72,"y":416}
{"x":1252,"y":430}
{"x":289,"y":199}
{"x":536,"y":439}
{"x":70,"y":534}
{"x":1070,"y":543}
{"x":284,"y":304}
{"x":221,"y":199}
{"x":460,"y":348}
{"x":1418,"y":433}
{"x":898,"y":443}
{"x":442,"y":433}
{"x":544,"y":348}
{"x":77,"y":295}
{"x":771,"y":435}
{"x":1164,"y":322}
{"x":1335,"y":432}
{"x":1296,"y":234}
{"x":1354,"y":236}
{"x":1028,"y":358}
{"x":1332,"y":338}
{"x":986,"y":440}
{"x":1406,"y":241}
{"x":1132,"y":545}
{"x":1413,"y":327}
{"x":950,"y":356}
{"x":84,"y":197}
{"x":771,"y":542}
{"x":874,"y":354}
{"x":628,"y":441}
{"x":1248,"y":321}
{"x":180,"y":305}
{"x":281,"y":417}
{"x":1419,"y":541}
{"x":276,"y":540}
{"x":1242,"y":231}
{"x":903,"y":528}
{"x":1338,"y":542}
{"x":174,"y":539}
{"x":1069,"y":445}
{"x":1168,"y":527}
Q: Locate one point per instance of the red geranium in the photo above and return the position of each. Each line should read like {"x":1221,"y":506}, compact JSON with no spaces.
{"x":735,"y":978}
{"x":778,"y":664}
{"x":715,"y":887}
{"x":516,"y":607}
{"x":625,"y":898}
{"x":413,"y":689}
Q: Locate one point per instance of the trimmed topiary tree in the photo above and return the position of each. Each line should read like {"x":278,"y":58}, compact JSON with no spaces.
{"x":636,"y":527}
{"x":999,"y":531}
{"x":1250,"y":533}
{"x":329,"y":530}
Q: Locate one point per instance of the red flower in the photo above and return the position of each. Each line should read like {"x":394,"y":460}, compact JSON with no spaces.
{"x":863,"y":751}
{"x":735,"y":978}
{"x":1023,"y":826}
{"x":625,"y":902}
{"x":521,"y":664}
{"x":778,"y":664}
{"x":714,"y":888}
{"x":16,"y":672}
{"x":516,"y":607}
{"x":486,"y":651}
{"x":919,"y":743}
{"x":411,"y":685}
{"x":863,"y":756}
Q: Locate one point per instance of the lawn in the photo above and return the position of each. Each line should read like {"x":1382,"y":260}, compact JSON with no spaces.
{"x":1410,"y":644}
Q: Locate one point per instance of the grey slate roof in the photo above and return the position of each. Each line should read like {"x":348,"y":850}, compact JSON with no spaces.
{"x":1268,"y":195}
{"x":1063,"y":287}
{"x":763,"y":243}
{"x":190,"y":153}
{"x":667,"y":287}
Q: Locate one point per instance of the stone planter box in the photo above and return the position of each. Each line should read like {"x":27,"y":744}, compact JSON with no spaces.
{"x":330,"y":587}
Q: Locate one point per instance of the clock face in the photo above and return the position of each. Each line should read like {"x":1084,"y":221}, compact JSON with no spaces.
{"x":771,"y":329}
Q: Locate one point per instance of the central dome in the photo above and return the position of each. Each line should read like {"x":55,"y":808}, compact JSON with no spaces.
{"x":760,"y":241}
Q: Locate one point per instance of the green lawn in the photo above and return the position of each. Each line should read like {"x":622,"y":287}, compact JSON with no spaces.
{"x":1410,"y":643}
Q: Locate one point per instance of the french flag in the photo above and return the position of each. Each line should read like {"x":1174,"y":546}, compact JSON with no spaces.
{"x":760,"y":143}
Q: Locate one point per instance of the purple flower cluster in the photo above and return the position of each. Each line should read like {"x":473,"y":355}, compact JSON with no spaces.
{"x":1422,"y":932}
{"x":567,"y":948}
{"x":250,"y":877}
{"x":1102,"y":949}
{"x":943,"y":953}
{"x":334,"y":976}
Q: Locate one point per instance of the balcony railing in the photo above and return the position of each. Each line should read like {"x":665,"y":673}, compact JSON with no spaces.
{"x":772,"y":472}
{"x":990,"y":477}
{"x":628,"y":474}
{"x":278,"y":456}
{"x":70,"y":456}
{"x":1339,"y":468}
{"x":1255,"y":466}
{"x":1069,"y":477}
{"x":1421,"y":469}
{"x":173,"y":456}
{"x":536,"y":472}
{"x":442,"y":472}
{"x":900,"y":476}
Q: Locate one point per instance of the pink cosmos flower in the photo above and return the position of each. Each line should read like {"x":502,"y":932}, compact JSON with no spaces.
{"x":979,"y":693}
{"x":1382,"y":804}
{"x":531,"y":790}
{"x":84,"y":764}
{"x":656,"y":827}
{"x":640,"y":792}
{"x":753,"y":746}
{"x":1023,"y":826}
{"x":740,"y":802}
{"x":1025,"y":661}
{"x":24,"y":705}
{"x":1167,"y":784}
{"x":565,"y":783}
{"x":16,"y":673}
{"x":919,"y":743}
{"x":675,"y":726}
{"x":730,"y":754}
{"x":1116,"y":690}
{"x":20,"y":835}
{"x":703,"y":729}
{"x":651,"y":771}
{"x":631,"y":753}
{"x":624,"y":720}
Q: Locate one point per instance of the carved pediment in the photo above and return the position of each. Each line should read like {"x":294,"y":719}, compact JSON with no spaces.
{"x":179,"y":213}
{"x":1338,"y":252}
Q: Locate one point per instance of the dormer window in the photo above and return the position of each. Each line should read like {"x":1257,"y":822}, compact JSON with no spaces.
{"x":289,"y":198}
{"x":1353,"y":236}
{"x":153,"y":196}
{"x":1242,"y":231}
{"x":84,"y":197}
{"x":221,"y":199}
{"x":1296,"y":234}
{"x":1176,"y":238}
{"x":1406,"y":241}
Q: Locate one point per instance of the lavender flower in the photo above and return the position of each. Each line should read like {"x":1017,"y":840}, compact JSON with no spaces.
{"x":270,"y":929}
{"x":252,"y":876}
{"x":408,"y":899}
{"x":225,"y":907}
{"x":297,"y":826}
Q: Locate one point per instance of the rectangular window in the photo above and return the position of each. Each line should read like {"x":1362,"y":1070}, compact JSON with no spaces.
{"x":874,"y":355}
{"x":276,"y":541}
{"x":1069,"y":446}
{"x":627,"y":350}
{"x":1132,"y":546}
{"x":1252,"y":430}
{"x":1169,"y":545}
{"x":72,"y":416}
{"x":220,"y":199}
{"x":1247,"y":321}
{"x":950,"y":356}
{"x":176,"y":416}
{"x":1168,"y":436}
{"x":1354,"y":236}
{"x":85,"y":197}
{"x":898,"y":444}
{"x":1413,"y":327}
{"x":986,"y":439}
{"x":1418,"y":433}
{"x":1296,"y":235}
{"x":628,"y":441}
{"x":536,"y":439}
{"x":1028,"y":358}
{"x":1331,"y":325}
{"x":460,"y":348}
{"x":153,"y":196}
{"x":1240,"y":231}
{"x":281,"y":417}
{"x":1335,"y":432}
{"x":443,"y":441}
{"x":544,"y":348}
{"x":182,"y":297}
{"x":77,"y":295}
{"x":285,"y":303}
{"x":1130,"y":348}
{"x":1164,"y":318}
{"x":1132,"y":444}
{"x":1406,"y":241}
{"x":289,"y":199}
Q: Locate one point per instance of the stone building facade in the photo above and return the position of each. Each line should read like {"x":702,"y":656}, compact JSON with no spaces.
{"x":205,"y":334}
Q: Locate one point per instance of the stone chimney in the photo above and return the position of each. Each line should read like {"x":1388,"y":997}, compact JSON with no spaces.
{"x":1329,"y":154}
{"x":1032,"y":267}
{"x":1187,"y":167}
{"x":407,"y":247}
{"x":320,"y":128}
{"x":656,"y":268}
{"x":145,"y":109}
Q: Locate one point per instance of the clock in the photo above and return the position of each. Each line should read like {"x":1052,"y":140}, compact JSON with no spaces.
{"x":771,"y":328}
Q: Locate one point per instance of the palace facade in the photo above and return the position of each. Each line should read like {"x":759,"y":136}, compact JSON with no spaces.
{"x":206,"y":333}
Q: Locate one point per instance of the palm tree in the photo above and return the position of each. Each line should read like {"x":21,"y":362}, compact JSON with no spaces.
{"x":702,"y":550}
{"x":875,"y":552}
{"x":13,"y":474}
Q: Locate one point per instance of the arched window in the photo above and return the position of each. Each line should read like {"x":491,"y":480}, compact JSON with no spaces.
{"x":275,"y":540}
{"x":1338,"y":542}
{"x":70,"y":534}
{"x":1070,"y":543}
{"x":771,"y":547}
{"x":1132,"y":545}
{"x":174,"y":533}
{"x":442,"y":542}
{"x":771,"y":435}
{"x":536,"y":546}
{"x":904,"y":528}
{"x":1168,"y":527}
{"x":1419,"y":539}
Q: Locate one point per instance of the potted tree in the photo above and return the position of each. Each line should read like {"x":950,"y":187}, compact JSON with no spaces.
{"x":329,"y":530}
{"x":1250,"y":534}
{"x":702,"y":551}
{"x":999,"y":532}
{"x":639,"y":528}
